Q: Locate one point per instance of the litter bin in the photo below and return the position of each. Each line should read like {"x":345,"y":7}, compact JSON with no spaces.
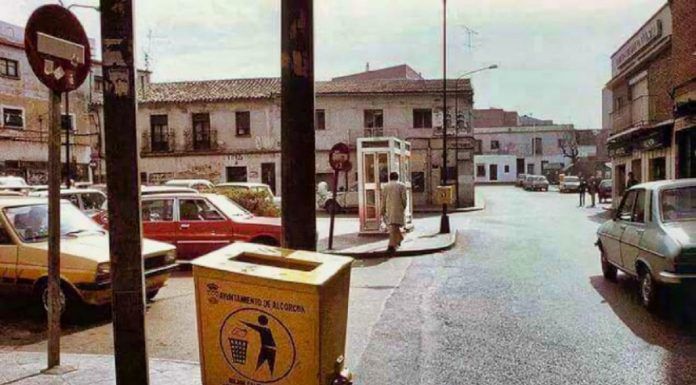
{"x":268,"y":315}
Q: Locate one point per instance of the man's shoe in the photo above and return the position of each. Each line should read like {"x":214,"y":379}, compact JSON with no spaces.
{"x":391,"y":250}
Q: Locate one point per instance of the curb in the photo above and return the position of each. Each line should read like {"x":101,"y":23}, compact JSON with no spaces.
{"x":399,"y":253}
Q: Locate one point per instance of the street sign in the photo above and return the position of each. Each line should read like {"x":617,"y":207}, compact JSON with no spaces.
{"x":339,"y":157}
{"x":57,"y":48}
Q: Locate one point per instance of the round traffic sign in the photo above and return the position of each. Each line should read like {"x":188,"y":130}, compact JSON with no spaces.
{"x":57,"y":48}
{"x":339,"y":157}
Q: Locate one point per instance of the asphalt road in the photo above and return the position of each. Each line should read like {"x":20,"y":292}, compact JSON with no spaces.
{"x":520,"y":300}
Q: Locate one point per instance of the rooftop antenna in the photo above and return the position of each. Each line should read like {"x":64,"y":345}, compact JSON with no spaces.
{"x":146,"y":52}
{"x":469,"y":34}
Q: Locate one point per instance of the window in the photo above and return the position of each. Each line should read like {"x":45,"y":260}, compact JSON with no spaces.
{"x":658,"y":169}
{"x":320,"y":120}
{"x":9,"y":68}
{"x":198,"y":210}
{"x":480,"y":170}
{"x":418,"y":181}
{"x":13,"y":118}
{"x":159,"y":132}
{"x":201,"y":131}
{"x":67,"y":122}
{"x":537,"y":146}
{"x":374,"y":119}
{"x":422,"y":118}
{"x":98,"y":85}
{"x":158,"y":210}
{"x":678,"y":204}
{"x":507,"y":169}
{"x":625,"y":212}
{"x":5,"y":238}
{"x":639,"y":207}
{"x":530,"y":169}
{"x":451,"y":173}
{"x":237,"y":174}
{"x":478,"y":146}
{"x":243,"y":123}
{"x":495,"y":145}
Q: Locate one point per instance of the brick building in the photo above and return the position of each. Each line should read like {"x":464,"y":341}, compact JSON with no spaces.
{"x":229,"y":130}
{"x":684,"y":61}
{"x":642,"y":123}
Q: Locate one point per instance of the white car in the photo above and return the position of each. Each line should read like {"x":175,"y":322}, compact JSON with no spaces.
{"x":262,"y":187}
{"x":343,"y":199}
{"x":89,"y":201}
{"x":197,"y":184}
{"x":14,"y":183}
{"x":569,"y":184}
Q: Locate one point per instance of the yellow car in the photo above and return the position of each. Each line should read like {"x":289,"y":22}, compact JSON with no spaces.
{"x":84,"y":262}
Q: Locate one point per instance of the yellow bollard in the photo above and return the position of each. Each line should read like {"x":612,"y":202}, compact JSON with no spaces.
{"x":268,"y":315}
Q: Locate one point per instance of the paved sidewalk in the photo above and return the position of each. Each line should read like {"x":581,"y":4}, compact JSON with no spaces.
{"x":24,"y":368}
{"x":416,"y":243}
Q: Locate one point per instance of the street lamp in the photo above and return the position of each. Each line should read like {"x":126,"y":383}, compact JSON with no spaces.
{"x":444,"y":220}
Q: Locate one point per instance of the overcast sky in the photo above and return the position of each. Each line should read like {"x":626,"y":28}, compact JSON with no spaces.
{"x":554,"y":55}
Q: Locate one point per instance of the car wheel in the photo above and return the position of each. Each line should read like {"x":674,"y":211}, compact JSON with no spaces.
{"x":608,"y":270}
{"x":648,"y":290}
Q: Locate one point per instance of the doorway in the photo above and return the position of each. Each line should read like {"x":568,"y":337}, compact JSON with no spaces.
{"x":268,"y":175}
{"x":493,"y":172}
{"x":619,"y":180}
{"x":520,"y":166}
{"x":636,"y":169}
{"x":237,"y":174}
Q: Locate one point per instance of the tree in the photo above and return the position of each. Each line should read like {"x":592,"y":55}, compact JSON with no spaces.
{"x":569,"y":146}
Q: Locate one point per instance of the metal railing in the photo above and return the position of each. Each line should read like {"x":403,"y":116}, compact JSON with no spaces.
{"x":166,"y":143}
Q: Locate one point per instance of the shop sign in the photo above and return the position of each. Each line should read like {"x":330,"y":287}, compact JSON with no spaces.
{"x":653,"y":141}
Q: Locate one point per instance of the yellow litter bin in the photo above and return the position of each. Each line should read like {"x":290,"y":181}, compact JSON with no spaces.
{"x":444,"y":195}
{"x":268,"y":315}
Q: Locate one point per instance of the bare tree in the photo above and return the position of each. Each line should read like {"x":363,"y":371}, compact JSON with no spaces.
{"x":569,"y":146}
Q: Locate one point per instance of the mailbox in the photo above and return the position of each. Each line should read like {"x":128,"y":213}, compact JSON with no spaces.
{"x":270,"y":315}
{"x":444,"y":195}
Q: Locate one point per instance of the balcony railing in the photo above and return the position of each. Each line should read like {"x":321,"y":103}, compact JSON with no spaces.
{"x":203,"y":141}
{"x":637,"y":114}
{"x":166,"y":143}
{"x":206,"y":142}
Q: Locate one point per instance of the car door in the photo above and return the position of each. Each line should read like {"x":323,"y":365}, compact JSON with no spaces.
{"x":158,"y":219}
{"x":633,"y":231}
{"x":202,"y":228}
{"x":8,"y":260}
{"x":612,"y":241}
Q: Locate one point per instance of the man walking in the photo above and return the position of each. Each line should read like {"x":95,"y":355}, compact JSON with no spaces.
{"x":582,"y":189}
{"x":393,"y":206}
{"x":592,"y":189}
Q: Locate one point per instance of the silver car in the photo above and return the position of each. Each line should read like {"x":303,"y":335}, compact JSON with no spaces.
{"x":653,"y":238}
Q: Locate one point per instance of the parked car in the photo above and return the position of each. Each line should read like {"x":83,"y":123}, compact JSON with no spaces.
{"x":653,"y":238}
{"x":149,"y":190}
{"x":84,"y":255}
{"x":536,"y":183}
{"x":261,"y":187}
{"x":200,"y":223}
{"x":89,"y":201}
{"x":569,"y":183}
{"x":344,"y":200}
{"x":604,"y":190}
{"x":519,"y":182}
{"x":196,"y":184}
{"x":15,"y":183}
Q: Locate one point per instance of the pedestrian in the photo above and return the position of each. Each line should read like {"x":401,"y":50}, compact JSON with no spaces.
{"x":393,"y":207}
{"x":582,"y":189}
{"x":632,"y":181}
{"x":592,"y":189}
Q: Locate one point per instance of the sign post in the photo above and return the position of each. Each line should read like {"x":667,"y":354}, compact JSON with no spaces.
{"x":58,"y":52}
{"x":339,"y":159}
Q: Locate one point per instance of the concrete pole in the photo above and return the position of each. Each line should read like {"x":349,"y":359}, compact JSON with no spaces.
{"x":120,"y":110}
{"x":444,"y":219}
{"x":299,"y":215}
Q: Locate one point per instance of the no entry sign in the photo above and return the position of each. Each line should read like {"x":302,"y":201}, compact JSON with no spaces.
{"x":57,"y":48}
{"x":339,"y":157}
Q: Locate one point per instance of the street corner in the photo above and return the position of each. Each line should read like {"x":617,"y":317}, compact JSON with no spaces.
{"x":414,"y":244}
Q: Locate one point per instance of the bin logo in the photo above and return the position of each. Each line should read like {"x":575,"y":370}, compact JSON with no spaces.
{"x":257,"y":345}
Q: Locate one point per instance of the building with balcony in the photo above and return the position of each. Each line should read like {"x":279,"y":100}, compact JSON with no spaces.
{"x":229,"y":130}
{"x":640,"y":107}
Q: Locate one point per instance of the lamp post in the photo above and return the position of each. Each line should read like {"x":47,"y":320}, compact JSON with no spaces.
{"x":456,"y":114}
{"x":444,"y":220}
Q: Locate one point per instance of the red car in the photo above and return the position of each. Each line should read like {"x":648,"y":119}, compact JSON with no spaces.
{"x":200,"y":223}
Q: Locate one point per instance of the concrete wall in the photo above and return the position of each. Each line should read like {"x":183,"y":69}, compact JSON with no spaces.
{"x":501,"y":161}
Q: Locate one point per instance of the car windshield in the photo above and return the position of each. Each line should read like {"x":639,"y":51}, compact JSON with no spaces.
{"x":31,"y":222}
{"x":571,"y":179}
{"x":228,"y":207}
{"x":678,"y":204}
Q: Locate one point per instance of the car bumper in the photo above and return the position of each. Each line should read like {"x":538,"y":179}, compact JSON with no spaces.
{"x":676,"y":279}
{"x":100,"y":293}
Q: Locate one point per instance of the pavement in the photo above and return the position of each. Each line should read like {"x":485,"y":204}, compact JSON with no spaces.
{"x":414,"y":243}
{"x":520,"y":299}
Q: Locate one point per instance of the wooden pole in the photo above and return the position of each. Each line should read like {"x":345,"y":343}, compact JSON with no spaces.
{"x":54,"y":177}
{"x":299,"y":215}
{"x":123,"y":183}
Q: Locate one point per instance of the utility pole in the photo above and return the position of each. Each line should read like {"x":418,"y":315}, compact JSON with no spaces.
{"x":123,"y":181}
{"x":297,"y":125}
{"x":67,"y":126}
{"x":444,"y":220}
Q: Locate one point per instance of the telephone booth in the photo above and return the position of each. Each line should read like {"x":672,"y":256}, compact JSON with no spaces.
{"x":377,"y":158}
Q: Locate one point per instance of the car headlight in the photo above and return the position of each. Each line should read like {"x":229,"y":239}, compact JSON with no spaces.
{"x":104,"y":272}
{"x":170,"y":257}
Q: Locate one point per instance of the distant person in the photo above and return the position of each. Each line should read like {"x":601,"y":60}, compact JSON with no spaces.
{"x":632,"y":181}
{"x":393,"y":207}
{"x":592,"y":189}
{"x":582,"y":189}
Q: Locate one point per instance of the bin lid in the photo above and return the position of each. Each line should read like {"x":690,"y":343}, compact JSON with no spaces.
{"x":274,"y":263}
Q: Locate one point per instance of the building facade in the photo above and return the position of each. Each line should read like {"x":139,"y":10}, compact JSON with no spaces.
{"x":684,"y":61}
{"x":642,"y":140}
{"x":229,"y":130}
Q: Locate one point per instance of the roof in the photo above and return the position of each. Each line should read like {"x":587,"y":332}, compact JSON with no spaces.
{"x":17,"y":201}
{"x":44,"y":193}
{"x":264,"y":88}
{"x":241,"y":184}
{"x":662,"y":184}
{"x":403,"y":71}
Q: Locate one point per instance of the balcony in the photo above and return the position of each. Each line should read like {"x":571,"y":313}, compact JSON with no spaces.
{"x":205,"y":141}
{"x":637,"y":114}
{"x":166,"y":144}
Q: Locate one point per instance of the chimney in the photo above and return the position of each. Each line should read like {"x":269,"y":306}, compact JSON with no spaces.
{"x":367,"y":67}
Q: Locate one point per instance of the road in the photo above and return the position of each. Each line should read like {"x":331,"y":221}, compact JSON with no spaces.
{"x":520,"y":300}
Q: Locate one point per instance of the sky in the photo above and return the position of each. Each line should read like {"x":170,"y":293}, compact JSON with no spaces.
{"x":553,"y":55}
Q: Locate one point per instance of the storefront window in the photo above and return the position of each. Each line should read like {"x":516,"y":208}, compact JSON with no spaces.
{"x":658,"y":169}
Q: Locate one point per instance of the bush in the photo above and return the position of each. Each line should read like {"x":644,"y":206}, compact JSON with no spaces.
{"x":258,"y":203}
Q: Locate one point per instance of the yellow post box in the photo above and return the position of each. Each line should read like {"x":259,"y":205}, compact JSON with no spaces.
{"x":268,"y":315}
{"x":444,"y":195}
